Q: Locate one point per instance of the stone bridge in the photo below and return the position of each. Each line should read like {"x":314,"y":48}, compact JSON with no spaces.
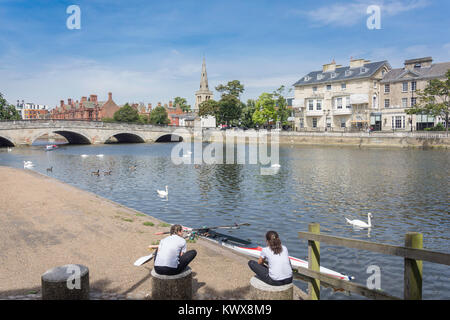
{"x":20,"y":133}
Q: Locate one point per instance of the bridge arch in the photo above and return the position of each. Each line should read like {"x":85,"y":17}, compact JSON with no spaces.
{"x":126,"y":137}
{"x":6,"y":142}
{"x":169,"y":137}
{"x":74,"y":137}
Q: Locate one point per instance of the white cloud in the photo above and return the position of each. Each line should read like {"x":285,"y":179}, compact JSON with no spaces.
{"x":351,"y":13}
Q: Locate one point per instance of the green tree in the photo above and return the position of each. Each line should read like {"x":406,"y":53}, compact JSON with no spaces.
{"x":230,"y":109}
{"x":209,"y":108}
{"x":126,"y":114}
{"x":8,"y":112}
{"x":182,"y":102}
{"x":247,"y":114}
{"x":434,"y":100}
{"x":265,"y":109}
{"x":234,"y":88}
{"x":283,"y":112}
{"x":159,"y":116}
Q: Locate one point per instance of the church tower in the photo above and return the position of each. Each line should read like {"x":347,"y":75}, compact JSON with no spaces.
{"x":204,"y":93}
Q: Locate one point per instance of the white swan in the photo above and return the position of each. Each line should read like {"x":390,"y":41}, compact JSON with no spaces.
{"x":84,"y":156}
{"x":100,"y":155}
{"x":28,"y":164}
{"x":361,"y":224}
{"x":276,"y":165}
{"x":9,"y":149}
{"x":163,"y":193}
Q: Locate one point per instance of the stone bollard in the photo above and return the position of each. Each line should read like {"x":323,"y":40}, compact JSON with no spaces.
{"x":68,"y":282}
{"x":260,"y":290}
{"x":177,"y":287}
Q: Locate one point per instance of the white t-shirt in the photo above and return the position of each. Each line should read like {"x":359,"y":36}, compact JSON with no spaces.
{"x":279,"y":264}
{"x":169,"y":251}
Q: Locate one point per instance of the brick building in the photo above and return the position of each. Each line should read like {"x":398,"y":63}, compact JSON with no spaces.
{"x":87,"y":109}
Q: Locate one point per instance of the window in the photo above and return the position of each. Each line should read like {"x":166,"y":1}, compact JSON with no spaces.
{"x":319,"y":76}
{"x":413,"y":86}
{"x":398,"y":122}
{"x":343,"y":86}
{"x":311,"y":104}
{"x":387,"y":103}
{"x":348,"y":73}
{"x":343,"y":125}
{"x":314,"y":122}
{"x":405,"y":102}
{"x":333,"y":75}
{"x":347,"y":102}
{"x":314,"y":89}
{"x":375,"y":84}
{"x":413,"y":102}
{"x":307,"y":78}
{"x":387,"y":88}
{"x":364,"y":70}
{"x":338,"y":103}
{"x":329,"y":87}
{"x":405,"y":86}
{"x":319,"y":105}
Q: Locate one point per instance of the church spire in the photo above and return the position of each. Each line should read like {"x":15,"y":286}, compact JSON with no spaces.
{"x":204,"y":93}
{"x":204,"y":78}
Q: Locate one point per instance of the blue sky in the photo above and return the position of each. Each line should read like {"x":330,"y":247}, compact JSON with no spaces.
{"x":151,"y":51}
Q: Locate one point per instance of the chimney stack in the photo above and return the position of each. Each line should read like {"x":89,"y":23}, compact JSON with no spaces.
{"x":61,"y":103}
{"x":69,"y":101}
{"x":109,"y":95}
{"x":93,"y":98}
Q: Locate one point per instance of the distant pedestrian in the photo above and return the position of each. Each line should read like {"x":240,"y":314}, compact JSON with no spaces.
{"x":171,"y":257}
{"x":279,"y":270}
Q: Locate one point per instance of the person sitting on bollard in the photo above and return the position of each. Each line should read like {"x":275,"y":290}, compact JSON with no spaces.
{"x":171,"y":257}
{"x":279,"y":270}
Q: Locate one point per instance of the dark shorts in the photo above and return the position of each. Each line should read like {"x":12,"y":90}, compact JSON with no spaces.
{"x":262,"y":273}
{"x":185,"y":259}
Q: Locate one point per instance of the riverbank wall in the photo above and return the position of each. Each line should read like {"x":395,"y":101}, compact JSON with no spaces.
{"x":359,"y":139}
{"x":373,"y":140}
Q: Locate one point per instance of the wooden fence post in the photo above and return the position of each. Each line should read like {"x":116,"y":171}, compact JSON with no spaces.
{"x":314,"y":262}
{"x":413,"y":268}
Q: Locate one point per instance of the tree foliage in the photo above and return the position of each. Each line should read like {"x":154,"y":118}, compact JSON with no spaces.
{"x":234,"y":88}
{"x":182,"y":102}
{"x":208,"y":108}
{"x":282,"y":110}
{"x":127,"y":114}
{"x":247,"y":114}
{"x":230,"y":109}
{"x":159,"y":116}
{"x":8,"y":112}
{"x":434,"y":99}
{"x":265,"y":109}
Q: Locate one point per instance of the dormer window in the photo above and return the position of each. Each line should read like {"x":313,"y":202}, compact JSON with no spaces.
{"x":364,"y":70}
{"x":348,"y":73}
{"x":307,"y":78}
{"x":333,"y":75}
{"x":319,"y":76}
{"x":418,"y":65}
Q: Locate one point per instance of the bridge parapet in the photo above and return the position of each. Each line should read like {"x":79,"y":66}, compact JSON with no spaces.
{"x":39,"y":124}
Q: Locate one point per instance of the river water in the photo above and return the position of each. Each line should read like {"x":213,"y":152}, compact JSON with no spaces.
{"x":405,"y":190}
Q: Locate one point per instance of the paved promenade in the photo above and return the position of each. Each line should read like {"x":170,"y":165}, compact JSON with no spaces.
{"x":46,"y":223}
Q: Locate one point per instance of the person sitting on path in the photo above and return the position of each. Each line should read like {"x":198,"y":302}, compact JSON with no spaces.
{"x":171,"y":257}
{"x":279,"y":270}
